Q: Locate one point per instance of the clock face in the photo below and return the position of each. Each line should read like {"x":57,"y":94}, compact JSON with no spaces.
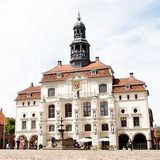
{"x":76,"y":85}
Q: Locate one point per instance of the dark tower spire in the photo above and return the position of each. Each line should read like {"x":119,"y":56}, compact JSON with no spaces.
{"x":80,"y":55}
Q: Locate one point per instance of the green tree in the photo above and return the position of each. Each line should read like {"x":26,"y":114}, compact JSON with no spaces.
{"x":10,"y":126}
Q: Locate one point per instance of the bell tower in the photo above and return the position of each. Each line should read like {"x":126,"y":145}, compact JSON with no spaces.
{"x":80,"y":54}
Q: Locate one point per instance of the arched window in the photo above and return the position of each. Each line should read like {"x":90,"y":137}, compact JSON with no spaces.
{"x":87,"y":109}
{"x":51,"y":128}
{"x":87,"y":127}
{"x":102,"y":88}
{"x":104,"y":127}
{"x":51,"y":92}
{"x":68,"y":128}
{"x":68,"y":110}
{"x":103,"y":108}
{"x":51,"y":111}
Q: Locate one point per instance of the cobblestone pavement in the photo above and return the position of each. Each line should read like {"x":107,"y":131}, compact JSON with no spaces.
{"x":78,"y":155}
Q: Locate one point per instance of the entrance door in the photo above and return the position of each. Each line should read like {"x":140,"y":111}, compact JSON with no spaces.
{"x":123,"y":140}
{"x":140,"y":142}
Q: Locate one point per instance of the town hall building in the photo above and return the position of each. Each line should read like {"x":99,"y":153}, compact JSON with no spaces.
{"x":87,"y":101}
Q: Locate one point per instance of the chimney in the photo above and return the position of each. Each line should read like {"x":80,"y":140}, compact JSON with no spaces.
{"x":32,"y":84}
{"x":97,"y":58}
{"x":131,"y":75}
{"x":59,"y":63}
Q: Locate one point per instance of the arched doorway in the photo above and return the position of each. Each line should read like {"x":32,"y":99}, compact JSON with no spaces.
{"x":140,"y":141}
{"x":22,"y":142}
{"x":123,"y":140}
{"x":33,"y":142}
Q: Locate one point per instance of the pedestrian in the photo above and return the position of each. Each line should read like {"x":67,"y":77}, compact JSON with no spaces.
{"x":130,"y":144}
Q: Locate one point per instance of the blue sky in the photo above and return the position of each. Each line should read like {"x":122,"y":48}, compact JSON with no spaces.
{"x":35,"y":34}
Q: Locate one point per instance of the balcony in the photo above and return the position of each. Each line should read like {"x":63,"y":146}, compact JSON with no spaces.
{"x":80,"y":95}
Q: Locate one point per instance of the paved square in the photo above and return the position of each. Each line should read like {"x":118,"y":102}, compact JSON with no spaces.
{"x":78,"y":155}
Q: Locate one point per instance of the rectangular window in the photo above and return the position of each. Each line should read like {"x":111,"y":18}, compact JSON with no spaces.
{"x":123,"y":121}
{"x":34,"y":102}
{"x":136,"y":96}
{"x":136,"y":121}
{"x":120,"y":97}
{"x":28,"y":103}
{"x":33,"y":124}
{"x":23,"y":103}
{"x":128,"y":97}
{"x":23,"y":124}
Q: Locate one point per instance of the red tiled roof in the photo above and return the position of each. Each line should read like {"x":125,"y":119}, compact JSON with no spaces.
{"x":68,"y":68}
{"x":31,"y":89}
{"x":133,"y":88}
{"x":32,"y":92}
{"x":67,"y":71}
{"x":124,"y":81}
{"x":135,"y":85}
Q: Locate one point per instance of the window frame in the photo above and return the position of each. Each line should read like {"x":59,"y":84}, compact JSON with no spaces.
{"x":51,"y":128}
{"x":123,"y":121}
{"x":103,"y":88}
{"x":105,"y":127}
{"x":51,"y":92}
{"x":135,"y":122}
{"x":51,"y":111}
{"x":68,"y":128}
{"x":24,"y":125}
{"x":68,"y":110}
{"x":103,"y":108}
{"x":86,"y":109}
{"x":33,"y":124}
{"x":87,"y":127}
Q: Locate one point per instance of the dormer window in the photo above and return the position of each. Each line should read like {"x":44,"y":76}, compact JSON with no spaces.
{"x":127,"y":87}
{"x":59,"y":75}
{"x":93,"y":72}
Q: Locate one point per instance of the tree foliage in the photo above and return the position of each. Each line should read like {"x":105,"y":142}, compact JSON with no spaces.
{"x":10,"y":126}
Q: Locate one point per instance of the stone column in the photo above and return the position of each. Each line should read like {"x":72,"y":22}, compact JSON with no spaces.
{"x":75,"y":125}
{"x":57,"y":120}
{"x":149,"y":144}
{"x":94,"y":121}
{"x":112,"y":123}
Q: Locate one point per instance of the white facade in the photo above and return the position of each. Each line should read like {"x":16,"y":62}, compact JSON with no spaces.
{"x":90,"y":100}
